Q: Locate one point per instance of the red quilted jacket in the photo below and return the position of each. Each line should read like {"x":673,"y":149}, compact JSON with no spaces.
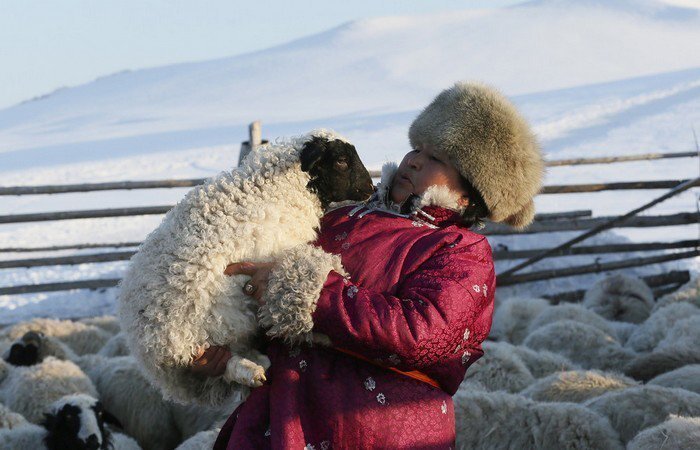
{"x":419,"y":298}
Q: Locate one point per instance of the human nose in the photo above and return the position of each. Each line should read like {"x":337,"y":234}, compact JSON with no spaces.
{"x":414,"y":161}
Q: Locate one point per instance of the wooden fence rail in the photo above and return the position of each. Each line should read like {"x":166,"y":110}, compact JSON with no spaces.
{"x":592,"y":268}
{"x":163,"y":184}
{"x":498,"y":255}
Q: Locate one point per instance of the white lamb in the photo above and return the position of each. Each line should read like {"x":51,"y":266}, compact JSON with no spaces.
{"x":498,"y":420}
{"x":687,"y":377}
{"x":621,"y":298}
{"x":647,"y":335}
{"x":176,"y":300}
{"x":677,"y":433}
{"x":633,"y":409}
{"x":576,"y":386}
{"x":582,"y":344}
{"x":30,"y":390}
{"x":513,"y":316}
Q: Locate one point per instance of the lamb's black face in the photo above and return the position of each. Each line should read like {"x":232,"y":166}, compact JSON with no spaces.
{"x":336,"y":171}
{"x":78,"y":426}
{"x":25,"y":352}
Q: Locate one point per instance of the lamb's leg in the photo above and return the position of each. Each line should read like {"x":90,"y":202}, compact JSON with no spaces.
{"x":244,"y":371}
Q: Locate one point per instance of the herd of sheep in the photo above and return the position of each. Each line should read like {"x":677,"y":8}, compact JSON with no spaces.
{"x":620,"y":370}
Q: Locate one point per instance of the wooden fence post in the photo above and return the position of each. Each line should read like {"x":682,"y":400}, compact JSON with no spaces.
{"x":254,"y":139}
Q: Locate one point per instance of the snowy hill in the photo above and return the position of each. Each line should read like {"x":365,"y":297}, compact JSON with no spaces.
{"x":595,"y":77}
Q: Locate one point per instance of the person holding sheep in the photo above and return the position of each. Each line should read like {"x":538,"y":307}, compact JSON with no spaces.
{"x":409,"y":314}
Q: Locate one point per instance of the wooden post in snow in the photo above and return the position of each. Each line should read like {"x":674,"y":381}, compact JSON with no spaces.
{"x":254,"y":139}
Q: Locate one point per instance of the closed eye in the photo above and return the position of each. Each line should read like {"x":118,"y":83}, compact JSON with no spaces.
{"x":341,"y":164}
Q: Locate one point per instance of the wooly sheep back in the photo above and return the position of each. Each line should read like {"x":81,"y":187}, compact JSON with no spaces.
{"x":571,"y":312}
{"x":513,"y":316}
{"x":687,"y":377}
{"x":647,"y":335}
{"x":620,"y":298}
{"x":623,"y":330}
{"x":116,"y":346}
{"x":81,"y":338}
{"x":500,"y":369}
{"x":679,"y":348}
{"x":30,"y":390}
{"x":175,"y":298}
{"x":680,"y":433}
{"x":542,"y":363}
{"x":200,"y":441}
{"x":108,"y":323}
{"x":498,"y":420}
{"x":688,"y":293}
{"x":10,"y":419}
{"x":127,"y":394}
{"x":582,"y":344}
{"x":633,"y":409}
{"x":576,"y":386}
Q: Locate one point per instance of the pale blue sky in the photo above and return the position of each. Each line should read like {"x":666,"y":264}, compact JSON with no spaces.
{"x":49,"y":44}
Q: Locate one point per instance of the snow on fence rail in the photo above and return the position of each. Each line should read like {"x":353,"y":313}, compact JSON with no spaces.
{"x":550,"y":222}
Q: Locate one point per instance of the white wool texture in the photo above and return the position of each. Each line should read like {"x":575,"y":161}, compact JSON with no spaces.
{"x":175,"y":298}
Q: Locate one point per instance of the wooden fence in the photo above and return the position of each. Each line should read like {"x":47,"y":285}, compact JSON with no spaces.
{"x":544,"y":223}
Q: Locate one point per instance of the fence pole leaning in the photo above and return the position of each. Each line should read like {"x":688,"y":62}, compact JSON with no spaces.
{"x":604,"y":226}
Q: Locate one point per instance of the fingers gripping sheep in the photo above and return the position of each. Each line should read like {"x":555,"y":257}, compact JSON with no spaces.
{"x":175,"y":298}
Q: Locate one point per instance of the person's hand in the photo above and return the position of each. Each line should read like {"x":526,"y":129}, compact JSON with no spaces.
{"x":211,"y":362}
{"x":259,"y":275}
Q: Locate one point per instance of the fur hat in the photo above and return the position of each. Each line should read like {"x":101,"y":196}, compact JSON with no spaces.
{"x":490,"y":144}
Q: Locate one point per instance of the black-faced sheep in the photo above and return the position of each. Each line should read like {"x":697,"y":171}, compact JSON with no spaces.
{"x":687,"y":377}
{"x":498,"y":420}
{"x":34,"y":347}
{"x":679,"y":348}
{"x":75,"y":422}
{"x":80,"y":337}
{"x":576,"y":386}
{"x":175,"y":298}
{"x":633,"y":409}
{"x":30,"y":390}
{"x":583,"y":344}
{"x":513,"y":316}
{"x":677,"y":433}
{"x":621,"y":298}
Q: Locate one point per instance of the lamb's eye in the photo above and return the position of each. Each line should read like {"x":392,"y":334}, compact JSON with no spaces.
{"x":341,"y":164}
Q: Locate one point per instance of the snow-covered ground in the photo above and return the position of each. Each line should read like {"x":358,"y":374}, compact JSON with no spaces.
{"x":594,"y":77}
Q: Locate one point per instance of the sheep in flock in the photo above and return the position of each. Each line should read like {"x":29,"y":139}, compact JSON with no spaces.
{"x":687,"y":377}
{"x":688,"y":293}
{"x":498,"y":420}
{"x":200,"y":441}
{"x":620,"y":298}
{"x":108,"y":323}
{"x":80,"y":337}
{"x":634,"y":409}
{"x":571,"y":312}
{"x":73,"y":422}
{"x":576,"y":386}
{"x":175,"y":298}
{"x":676,"y":433}
{"x":582,"y":344}
{"x":513,"y":316}
{"x":30,"y":390}
{"x":10,"y":419}
{"x":648,"y":334}
{"x":679,"y":348}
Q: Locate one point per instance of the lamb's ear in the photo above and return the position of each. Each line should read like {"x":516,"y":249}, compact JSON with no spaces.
{"x":109,"y":418}
{"x":311,"y":153}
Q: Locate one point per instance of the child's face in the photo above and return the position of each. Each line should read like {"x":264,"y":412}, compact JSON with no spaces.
{"x":422,"y":168}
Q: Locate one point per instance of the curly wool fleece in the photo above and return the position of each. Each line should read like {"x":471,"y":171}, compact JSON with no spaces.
{"x":175,"y":296}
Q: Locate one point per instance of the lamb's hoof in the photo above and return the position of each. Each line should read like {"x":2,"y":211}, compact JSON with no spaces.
{"x":258,"y":380}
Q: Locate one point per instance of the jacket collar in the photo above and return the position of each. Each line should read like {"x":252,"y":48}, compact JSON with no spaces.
{"x":437,"y":206}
